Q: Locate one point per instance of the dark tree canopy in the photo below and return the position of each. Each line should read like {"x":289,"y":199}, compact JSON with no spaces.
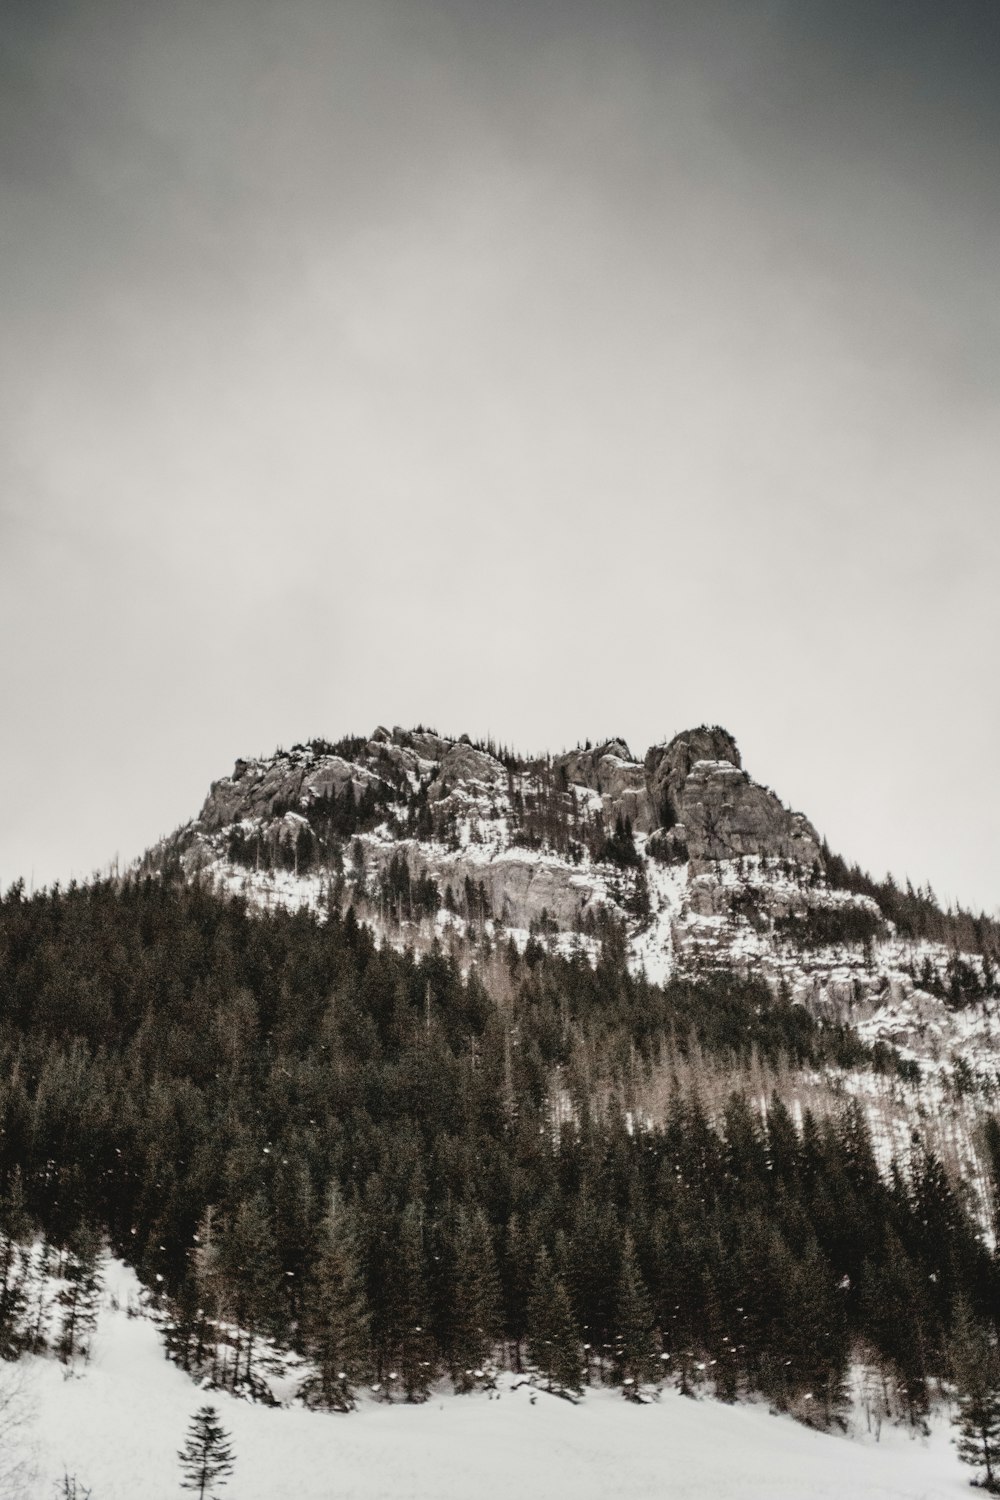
{"x":200,"y":1083}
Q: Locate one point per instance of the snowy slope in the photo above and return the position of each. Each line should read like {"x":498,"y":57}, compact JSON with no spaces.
{"x":116,"y":1424}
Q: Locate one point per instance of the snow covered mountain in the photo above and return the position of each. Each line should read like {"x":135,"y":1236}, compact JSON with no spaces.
{"x":681,"y":854}
{"x":633,"y":1087}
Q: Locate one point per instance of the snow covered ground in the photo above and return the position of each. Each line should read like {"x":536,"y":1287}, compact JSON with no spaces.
{"x":117,"y":1422}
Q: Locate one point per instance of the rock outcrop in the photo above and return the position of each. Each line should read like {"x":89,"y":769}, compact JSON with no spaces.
{"x":691,"y":795}
{"x":668,"y":767}
{"x":707,"y":809}
{"x":699,"y":865}
{"x":726,"y":816}
{"x":545,"y":844}
{"x":619,"y":779}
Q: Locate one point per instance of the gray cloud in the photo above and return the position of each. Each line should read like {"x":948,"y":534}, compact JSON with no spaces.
{"x":538,"y":369}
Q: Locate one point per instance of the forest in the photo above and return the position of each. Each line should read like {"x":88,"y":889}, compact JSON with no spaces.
{"x":403,"y":1167}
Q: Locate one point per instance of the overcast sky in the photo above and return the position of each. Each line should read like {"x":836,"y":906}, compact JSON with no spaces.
{"x":545,"y":369}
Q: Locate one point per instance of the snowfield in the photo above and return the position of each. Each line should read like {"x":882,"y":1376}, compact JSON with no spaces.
{"x":117,"y":1421}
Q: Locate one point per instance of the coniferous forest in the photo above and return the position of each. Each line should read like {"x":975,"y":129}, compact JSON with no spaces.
{"x":403,"y":1170}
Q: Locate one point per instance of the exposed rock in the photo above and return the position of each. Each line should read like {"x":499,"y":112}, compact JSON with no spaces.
{"x":695,"y":785}
{"x":611,"y":770}
{"x":254,"y":790}
{"x":520,"y":889}
{"x":583,"y":767}
{"x":267,"y":790}
{"x":727,"y":816}
{"x":463,"y":764}
{"x":427,"y":745}
{"x":668,"y":766}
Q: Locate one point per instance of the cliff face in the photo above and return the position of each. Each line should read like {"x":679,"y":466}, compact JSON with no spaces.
{"x":699,"y":864}
{"x":691,"y":795}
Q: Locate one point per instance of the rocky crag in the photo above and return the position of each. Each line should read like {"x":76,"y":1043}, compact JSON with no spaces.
{"x":692,"y":863}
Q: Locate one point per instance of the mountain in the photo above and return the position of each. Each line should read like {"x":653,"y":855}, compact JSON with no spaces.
{"x":695,"y":866}
{"x":412,"y":1061}
{"x":416,"y":1061}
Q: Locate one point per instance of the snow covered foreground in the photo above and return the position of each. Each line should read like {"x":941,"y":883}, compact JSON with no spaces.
{"x":116,"y":1424}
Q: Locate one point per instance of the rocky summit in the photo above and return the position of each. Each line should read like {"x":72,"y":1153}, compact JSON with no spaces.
{"x":692,"y":864}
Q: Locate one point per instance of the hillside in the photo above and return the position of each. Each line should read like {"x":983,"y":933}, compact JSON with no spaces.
{"x":413,"y":1064}
{"x":116,"y":1426}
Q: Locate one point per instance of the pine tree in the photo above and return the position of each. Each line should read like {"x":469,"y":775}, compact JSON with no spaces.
{"x":15,"y":1230}
{"x":518,"y":1272}
{"x":782,"y":1141}
{"x":977,"y":1376}
{"x":635,"y":1351}
{"x":409,"y":1308}
{"x":248,"y":1266}
{"x":184,"y":1331}
{"x":817,"y":1338}
{"x":722,"y":1351}
{"x":553,"y":1339}
{"x":80,"y":1297}
{"x":475,"y":1318}
{"x":991,"y":1143}
{"x":40,"y":1269}
{"x":209,"y":1288}
{"x":895,"y":1315}
{"x":594,"y":1240}
{"x":207,"y":1457}
{"x":336,"y":1320}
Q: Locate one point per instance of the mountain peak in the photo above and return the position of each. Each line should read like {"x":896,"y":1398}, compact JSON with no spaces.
{"x":698,"y":864}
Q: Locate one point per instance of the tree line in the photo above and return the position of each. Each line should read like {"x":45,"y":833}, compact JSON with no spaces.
{"x":403,"y":1169}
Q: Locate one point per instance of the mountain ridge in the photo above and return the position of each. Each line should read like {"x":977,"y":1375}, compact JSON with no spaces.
{"x":697,"y":866}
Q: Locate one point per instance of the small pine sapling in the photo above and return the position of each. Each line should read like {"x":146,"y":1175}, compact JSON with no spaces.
{"x":207,"y":1457}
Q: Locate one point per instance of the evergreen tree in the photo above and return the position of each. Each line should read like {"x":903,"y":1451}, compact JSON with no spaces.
{"x":782,"y":1140}
{"x":185,"y":1331}
{"x":251,"y":1276}
{"x":553,"y":1338}
{"x":475,"y":1314}
{"x":817,"y":1339}
{"x":594,"y":1243}
{"x":722,"y":1351}
{"x":636,"y":1361}
{"x":520,"y":1253}
{"x":977,"y":1377}
{"x":409,"y":1308}
{"x":207,"y":1457}
{"x":79,"y":1299}
{"x":163,"y":1049}
{"x":895,"y":1316}
{"x":15,"y":1231}
{"x":336,"y":1320}
{"x":991,"y":1144}
{"x":207,"y":1280}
